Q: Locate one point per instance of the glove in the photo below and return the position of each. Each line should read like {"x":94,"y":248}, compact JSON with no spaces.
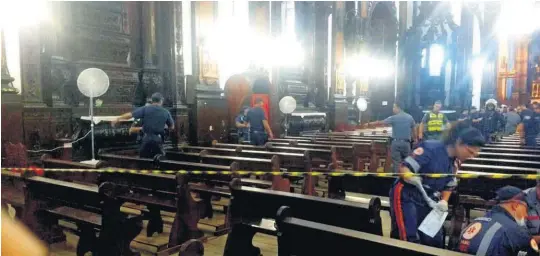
{"x":441,"y":206}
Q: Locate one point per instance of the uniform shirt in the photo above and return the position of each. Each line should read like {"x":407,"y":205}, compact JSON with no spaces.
{"x":512,"y":121}
{"x":432,"y":157}
{"x":530,"y":122}
{"x":496,"y":234}
{"x":533,"y":220}
{"x":492,"y":121}
{"x":402,"y":125}
{"x":241,"y":119}
{"x":255,"y":117}
{"x":153,"y":118}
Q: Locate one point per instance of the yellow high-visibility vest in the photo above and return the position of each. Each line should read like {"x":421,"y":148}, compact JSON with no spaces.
{"x":435,"y":123}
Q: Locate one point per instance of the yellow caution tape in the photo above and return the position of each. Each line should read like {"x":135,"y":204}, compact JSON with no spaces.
{"x":288,"y":173}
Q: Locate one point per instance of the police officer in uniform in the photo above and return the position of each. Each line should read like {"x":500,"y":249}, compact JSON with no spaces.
{"x":403,"y":133}
{"x":502,"y":231}
{"x":492,"y":121}
{"x":532,"y":197}
{"x":260,"y":130}
{"x":530,"y":122}
{"x":409,"y":204}
{"x":242,"y":125}
{"x":433,"y":123}
{"x":154,"y":118}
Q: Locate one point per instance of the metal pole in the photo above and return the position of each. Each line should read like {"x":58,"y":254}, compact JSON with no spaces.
{"x":92,"y":126}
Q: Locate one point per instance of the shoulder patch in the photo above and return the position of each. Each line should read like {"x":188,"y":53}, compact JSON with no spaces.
{"x":534,"y":245}
{"x":527,"y":117}
{"x":419,"y":151}
{"x":472,"y":231}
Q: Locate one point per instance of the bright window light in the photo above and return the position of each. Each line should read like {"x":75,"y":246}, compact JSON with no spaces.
{"x":436,"y":59}
{"x":518,"y":18}
{"x":363,"y":66}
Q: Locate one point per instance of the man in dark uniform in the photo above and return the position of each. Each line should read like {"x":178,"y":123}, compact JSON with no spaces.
{"x":502,"y":231}
{"x":242,"y":126}
{"x":259,"y":128}
{"x":529,"y":121}
{"x":154,"y":118}
{"x":532,"y":197}
{"x":492,"y":122}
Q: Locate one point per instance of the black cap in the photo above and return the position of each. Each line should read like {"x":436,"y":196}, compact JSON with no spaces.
{"x":156,"y":97}
{"x":472,"y":137}
{"x":509,"y":193}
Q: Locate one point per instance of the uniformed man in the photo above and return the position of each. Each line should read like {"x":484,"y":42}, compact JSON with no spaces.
{"x":492,"y":121}
{"x":433,"y":123}
{"x":409,"y":204}
{"x":154,"y":118}
{"x":532,"y":197}
{"x":464,"y":117}
{"x":402,"y":135}
{"x":502,"y":231}
{"x":474,"y":116}
{"x":242,"y":125}
{"x":260,"y":130}
{"x":530,"y":122}
{"x":512,"y":121}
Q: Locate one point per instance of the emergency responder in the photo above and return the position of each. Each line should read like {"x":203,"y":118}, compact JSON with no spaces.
{"x":532,"y":197}
{"x":154,"y":118}
{"x":492,"y":121}
{"x":402,"y":134}
{"x":512,"y":121}
{"x":412,"y":197}
{"x":530,"y":122}
{"x":242,"y":125}
{"x":259,"y":128}
{"x":433,"y":124}
{"x":501,"y":232}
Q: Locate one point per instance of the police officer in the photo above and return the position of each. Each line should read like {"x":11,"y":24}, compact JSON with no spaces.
{"x":402,"y":135}
{"x":530,"y":122}
{"x":258,"y":125}
{"x":242,"y":125}
{"x":413,"y":197}
{"x":154,"y":118}
{"x":433,"y":123}
{"x":502,"y":230}
{"x":532,"y":197}
{"x":492,"y":121}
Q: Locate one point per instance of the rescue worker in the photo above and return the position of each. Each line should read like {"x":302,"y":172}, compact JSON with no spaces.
{"x":409,"y":206}
{"x":502,"y":231}
{"x":242,"y":125}
{"x":402,"y":135}
{"x":512,"y":121}
{"x":492,"y":121}
{"x":532,"y":197}
{"x":260,"y":130}
{"x":433,"y":124}
{"x":154,"y":118}
{"x":530,"y":122}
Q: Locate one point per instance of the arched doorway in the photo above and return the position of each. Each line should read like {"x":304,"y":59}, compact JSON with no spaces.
{"x":242,"y":89}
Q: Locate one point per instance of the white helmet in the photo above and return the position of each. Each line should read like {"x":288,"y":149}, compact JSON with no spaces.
{"x":491,"y":101}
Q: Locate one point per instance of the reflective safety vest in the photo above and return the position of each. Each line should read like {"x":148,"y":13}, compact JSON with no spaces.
{"x":435,"y":123}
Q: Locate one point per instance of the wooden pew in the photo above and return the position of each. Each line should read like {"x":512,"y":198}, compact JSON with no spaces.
{"x":499,"y":149}
{"x":497,"y":169}
{"x":89,"y":207}
{"x":517,"y":156}
{"x":300,"y":236}
{"x":251,"y":208}
{"x":503,"y":162}
{"x":13,"y":192}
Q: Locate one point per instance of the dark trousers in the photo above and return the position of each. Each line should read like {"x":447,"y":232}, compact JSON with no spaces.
{"x":530,"y":141}
{"x":407,"y":210}
{"x":151,"y":145}
{"x":258,"y":138}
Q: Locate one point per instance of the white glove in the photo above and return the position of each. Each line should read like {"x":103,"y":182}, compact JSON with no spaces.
{"x":414,"y":180}
{"x":431,"y":203}
{"x":441,"y":206}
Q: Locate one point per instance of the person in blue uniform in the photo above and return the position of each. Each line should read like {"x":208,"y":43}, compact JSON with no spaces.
{"x":492,"y":122}
{"x":242,"y":125}
{"x":260,"y":130}
{"x":530,"y":122}
{"x":154,"y":118}
{"x":502,"y":231}
{"x":409,"y":206}
{"x":532,"y":197}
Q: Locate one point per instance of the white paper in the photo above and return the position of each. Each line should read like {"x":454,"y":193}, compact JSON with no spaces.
{"x":433,"y":222}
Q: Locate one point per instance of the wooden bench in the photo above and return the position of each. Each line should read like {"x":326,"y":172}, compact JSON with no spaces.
{"x":503,"y":162}
{"x":517,"y":156}
{"x":300,"y":236}
{"x":499,"y":149}
{"x":252,"y":211}
{"x":13,"y":192}
{"x":94,"y":210}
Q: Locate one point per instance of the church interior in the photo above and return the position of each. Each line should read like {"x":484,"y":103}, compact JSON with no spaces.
{"x":280,"y":124}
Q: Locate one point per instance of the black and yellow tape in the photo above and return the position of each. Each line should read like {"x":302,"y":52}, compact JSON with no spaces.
{"x":462,"y":175}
